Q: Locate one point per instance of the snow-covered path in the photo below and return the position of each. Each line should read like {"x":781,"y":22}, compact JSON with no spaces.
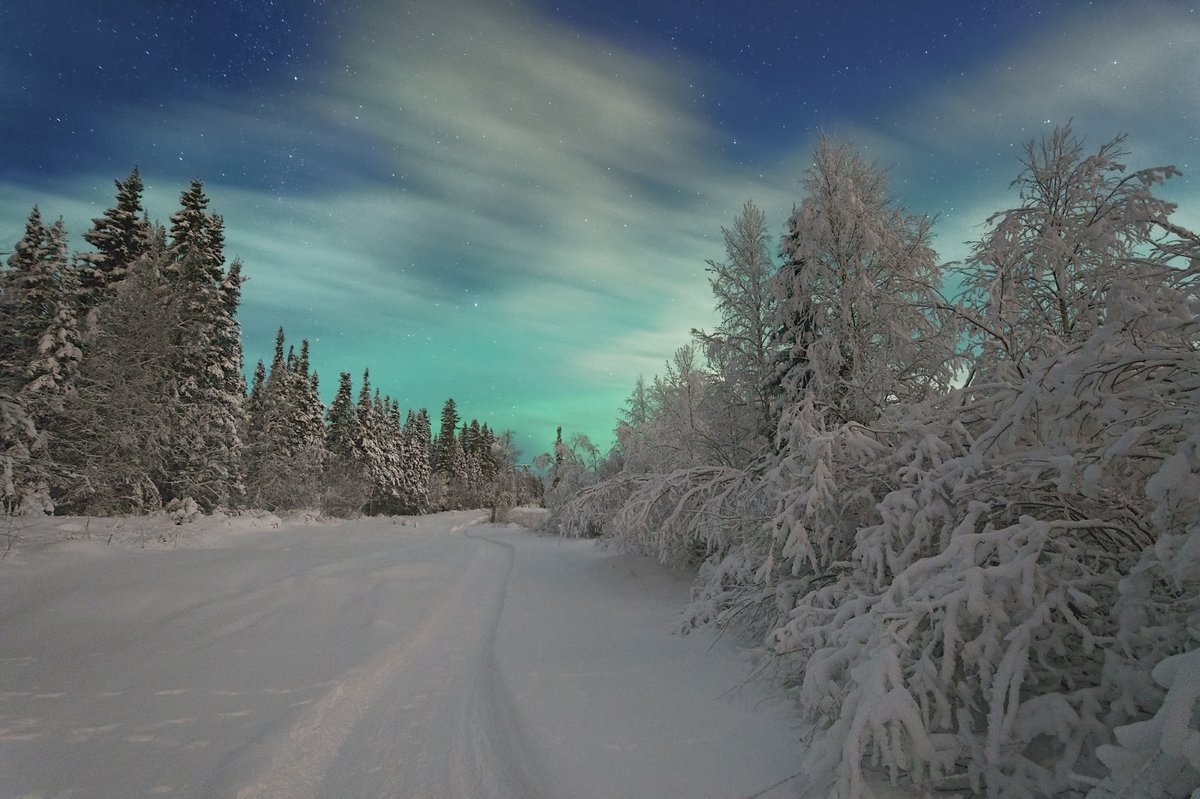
{"x":445,"y":659}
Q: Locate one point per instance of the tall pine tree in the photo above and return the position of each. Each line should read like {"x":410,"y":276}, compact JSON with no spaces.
{"x":208,"y":446}
{"x":346,"y":486}
{"x":285,"y":447}
{"x":443,"y":446}
{"x":39,"y":355}
{"x":416,"y":440}
{"x":120,"y":236}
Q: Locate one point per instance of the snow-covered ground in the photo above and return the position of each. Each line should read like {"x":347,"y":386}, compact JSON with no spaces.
{"x":438,"y":657}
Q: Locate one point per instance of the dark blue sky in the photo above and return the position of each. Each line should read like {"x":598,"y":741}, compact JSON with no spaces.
{"x":511,"y":203}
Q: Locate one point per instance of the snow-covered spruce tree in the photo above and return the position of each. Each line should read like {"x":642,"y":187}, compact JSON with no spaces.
{"x":273,"y":412}
{"x":581,"y":502}
{"x":41,"y":338}
{"x":285,"y":445}
{"x":255,"y":405}
{"x":229,"y":371}
{"x":855,"y":326}
{"x":474,"y":484}
{"x":412,"y":484}
{"x":120,"y":236}
{"x":207,"y":457}
{"x":420,"y":429}
{"x":492,"y":456}
{"x":345,"y":484}
{"x":456,"y":475}
{"x":372,"y":464}
{"x":1031,"y":573}
{"x":416,"y":435}
{"x":468,"y":434}
{"x":443,"y":445}
{"x":28,"y":293}
{"x":856,"y":331}
{"x":378,"y":460}
{"x":39,"y":355}
{"x":463,"y":472}
{"x":310,"y":424}
{"x":477,"y":442}
{"x":385,"y":452}
{"x":447,"y":460}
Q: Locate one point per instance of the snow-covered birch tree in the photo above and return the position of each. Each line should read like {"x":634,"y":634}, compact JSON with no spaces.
{"x":738,"y":351}
{"x":1038,"y":281}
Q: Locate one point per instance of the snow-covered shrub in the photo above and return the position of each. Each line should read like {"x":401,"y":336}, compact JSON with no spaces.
{"x":1158,"y":625}
{"x":183,"y":511}
{"x":685,"y":516}
{"x":826,"y":483}
{"x":588,"y":511}
{"x":345,"y":490}
{"x":1158,"y":614}
{"x":1160,"y":756}
{"x":570,"y":470}
{"x":995,"y":624}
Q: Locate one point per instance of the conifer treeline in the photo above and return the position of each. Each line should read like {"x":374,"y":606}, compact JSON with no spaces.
{"x":122,"y":390}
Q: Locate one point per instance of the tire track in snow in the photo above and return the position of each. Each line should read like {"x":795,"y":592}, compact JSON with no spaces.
{"x":498,"y":742}
{"x":430,"y":717}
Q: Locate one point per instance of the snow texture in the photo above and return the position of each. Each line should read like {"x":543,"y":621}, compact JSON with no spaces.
{"x":433,"y":656}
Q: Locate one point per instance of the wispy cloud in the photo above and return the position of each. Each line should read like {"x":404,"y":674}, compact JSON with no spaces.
{"x":1120,"y":70}
{"x":566,"y":185}
{"x":477,"y":201}
{"x":1111,"y":71}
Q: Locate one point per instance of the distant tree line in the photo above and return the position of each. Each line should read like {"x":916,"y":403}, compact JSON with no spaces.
{"x":122,"y":391}
{"x":966,"y":529}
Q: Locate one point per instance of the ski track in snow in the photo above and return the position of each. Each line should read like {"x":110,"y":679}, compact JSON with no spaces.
{"x":367,"y":658}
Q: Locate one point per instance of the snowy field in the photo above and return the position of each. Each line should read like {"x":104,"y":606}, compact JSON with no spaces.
{"x":431,"y":657}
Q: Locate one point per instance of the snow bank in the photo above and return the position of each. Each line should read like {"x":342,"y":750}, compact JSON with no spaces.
{"x":22,"y":536}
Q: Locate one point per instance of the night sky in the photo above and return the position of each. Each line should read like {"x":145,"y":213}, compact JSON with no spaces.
{"x":511,"y":203}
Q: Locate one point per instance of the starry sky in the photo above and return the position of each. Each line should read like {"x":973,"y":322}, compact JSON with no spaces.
{"x":511,"y":202}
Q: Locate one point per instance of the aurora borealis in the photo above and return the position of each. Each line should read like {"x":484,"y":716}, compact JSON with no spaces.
{"x":511,"y":203}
